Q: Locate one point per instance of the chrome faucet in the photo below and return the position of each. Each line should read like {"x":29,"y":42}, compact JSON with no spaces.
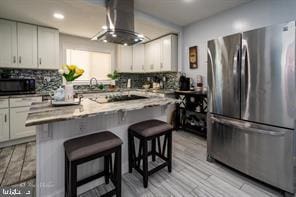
{"x":91,"y":82}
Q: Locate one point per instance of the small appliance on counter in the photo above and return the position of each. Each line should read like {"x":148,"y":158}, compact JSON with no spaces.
{"x":184,"y":83}
{"x":17,"y":86}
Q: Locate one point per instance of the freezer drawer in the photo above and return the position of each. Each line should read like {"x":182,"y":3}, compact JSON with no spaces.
{"x":224,"y":75}
{"x":261,"y":151}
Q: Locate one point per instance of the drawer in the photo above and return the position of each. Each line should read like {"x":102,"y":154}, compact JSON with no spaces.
{"x":3,"y":103}
{"x":25,"y":101}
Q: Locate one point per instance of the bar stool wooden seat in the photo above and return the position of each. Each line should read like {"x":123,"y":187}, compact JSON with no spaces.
{"x":150,"y":130}
{"x":83,"y":149}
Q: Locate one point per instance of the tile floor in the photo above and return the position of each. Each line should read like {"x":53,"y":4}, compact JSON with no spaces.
{"x":17,"y":163}
{"x":192,"y":175}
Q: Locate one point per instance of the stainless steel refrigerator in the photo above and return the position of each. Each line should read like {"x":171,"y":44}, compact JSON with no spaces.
{"x":251,"y":128}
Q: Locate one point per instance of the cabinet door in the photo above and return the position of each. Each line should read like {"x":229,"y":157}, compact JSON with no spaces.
{"x":18,"y":118}
{"x":48,"y":48}
{"x":148,"y":67}
{"x":8,"y":40}
{"x":138,"y":58}
{"x":125,"y":59}
{"x":4,"y":125}
{"x":166,"y":49}
{"x":169,"y":53}
{"x":152,"y":56}
{"x":27,"y":45}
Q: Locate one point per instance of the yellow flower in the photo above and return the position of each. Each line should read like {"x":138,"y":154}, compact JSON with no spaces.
{"x":79,"y":71}
{"x":72,"y":67}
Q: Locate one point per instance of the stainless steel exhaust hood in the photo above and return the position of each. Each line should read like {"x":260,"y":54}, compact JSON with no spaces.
{"x":119,"y":27}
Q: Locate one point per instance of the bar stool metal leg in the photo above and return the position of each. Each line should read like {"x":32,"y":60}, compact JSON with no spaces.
{"x":66,"y":175}
{"x":130,"y":153}
{"x":153,"y":149}
{"x":145,"y":163}
{"x":169,"y":151}
{"x":117,"y":171}
{"x":106,"y":169}
{"x":73,"y":182}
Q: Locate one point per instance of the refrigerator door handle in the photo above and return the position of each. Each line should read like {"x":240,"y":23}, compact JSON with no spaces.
{"x":245,"y":70}
{"x":246,"y":127}
{"x":236,"y":60}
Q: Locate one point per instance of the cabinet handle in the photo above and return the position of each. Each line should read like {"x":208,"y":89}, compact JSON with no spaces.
{"x":14,"y":59}
{"x":20,"y":59}
{"x":161,"y":65}
{"x":143,"y":67}
{"x":40,"y":61}
{"x":131,"y":67}
{"x":5,"y":118}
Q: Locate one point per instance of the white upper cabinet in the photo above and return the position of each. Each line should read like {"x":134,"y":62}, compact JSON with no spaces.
{"x":125,"y":58}
{"x":169,"y":53}
{"x":138,"y":58}
{"x":27,"y":45}
{"x":22,"y":46}
{"x":8,"y":40}
{"x":48,"y":48}
{"x":160,"y":55}
{"x":152,"y":56}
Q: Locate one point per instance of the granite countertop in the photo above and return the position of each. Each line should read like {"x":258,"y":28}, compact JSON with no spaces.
{"x":44,"y":94}
{"x":23,"y":95}
{"x":44,"y":113}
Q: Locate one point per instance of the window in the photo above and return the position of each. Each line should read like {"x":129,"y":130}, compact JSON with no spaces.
{"x":95,"y":64}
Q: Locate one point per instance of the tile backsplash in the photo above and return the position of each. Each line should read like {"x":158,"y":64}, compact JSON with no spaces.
{"x":47,"y":80}
{"x":138,"y":79}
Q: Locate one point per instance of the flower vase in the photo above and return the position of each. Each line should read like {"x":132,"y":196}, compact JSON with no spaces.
{"x":69,"y":91}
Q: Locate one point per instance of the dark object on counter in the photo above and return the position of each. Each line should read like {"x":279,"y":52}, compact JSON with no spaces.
{"x":111,"y":98}
{"x":4,"y":74}
{"x":87,"y":148}
{"x":191,"y":112}
{"x":17,"y":86}
{"x":149,"y":130}
{"x":184,"y":83}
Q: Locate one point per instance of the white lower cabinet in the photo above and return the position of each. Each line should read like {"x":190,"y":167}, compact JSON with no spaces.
{"x":18,"y":118}
{"x":4,"y":125}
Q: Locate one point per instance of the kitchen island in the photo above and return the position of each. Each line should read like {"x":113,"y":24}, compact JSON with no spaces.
{"x":58,"y":124}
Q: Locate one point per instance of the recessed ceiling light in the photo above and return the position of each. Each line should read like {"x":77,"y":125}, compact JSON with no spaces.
{"x":114,"y":35}
{"x":105,"y":41}
{"x":125,"y":44}
{"x":136,"y":39}
{"x":104,"y":27}
{"x":58,"y":16}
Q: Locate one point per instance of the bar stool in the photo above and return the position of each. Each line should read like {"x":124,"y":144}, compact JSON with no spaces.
{"x":150,"y":130}
{"x":83,"y":149}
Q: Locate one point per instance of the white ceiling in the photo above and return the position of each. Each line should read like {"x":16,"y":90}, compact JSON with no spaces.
{"x":86,"y":17}
{"x":184,"y":12}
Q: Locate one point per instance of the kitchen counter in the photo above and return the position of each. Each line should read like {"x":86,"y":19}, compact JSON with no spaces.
{"x":55,"y":125}
{"x":43,"y":113}
{"x":22,"y":95}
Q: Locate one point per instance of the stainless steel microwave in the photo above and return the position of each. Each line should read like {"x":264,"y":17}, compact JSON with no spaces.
{"x":17,"y":86}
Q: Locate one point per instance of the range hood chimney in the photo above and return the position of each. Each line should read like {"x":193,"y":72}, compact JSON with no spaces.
{"x":119,"y":27}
